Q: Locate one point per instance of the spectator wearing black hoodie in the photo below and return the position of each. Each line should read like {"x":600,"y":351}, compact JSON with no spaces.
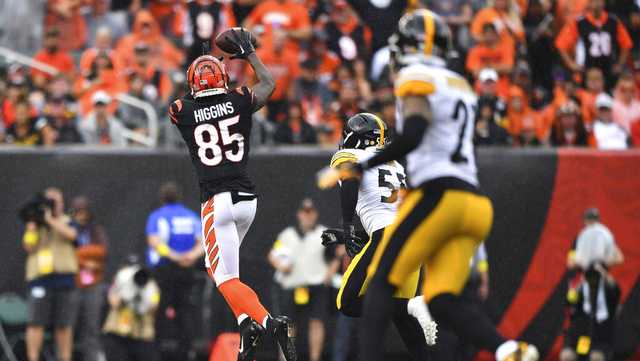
{"x":295,"y":130}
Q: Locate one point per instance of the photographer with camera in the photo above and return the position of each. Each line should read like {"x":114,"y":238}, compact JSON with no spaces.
{"x":130,"y":325}
{"x":49,"y":241}
{"x":594,"y":295}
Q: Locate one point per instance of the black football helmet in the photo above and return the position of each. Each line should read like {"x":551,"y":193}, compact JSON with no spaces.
{"x":421,"y":32}
{"x":364,"y":130}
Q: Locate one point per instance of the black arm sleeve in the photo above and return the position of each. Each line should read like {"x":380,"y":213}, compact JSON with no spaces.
{"x":414,"y":128}
{"x":349,"y":198}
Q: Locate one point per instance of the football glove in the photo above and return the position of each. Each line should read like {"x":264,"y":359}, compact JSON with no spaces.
{"x":347,"y":236}
{"x":242,"y":39}
{"x":332,"y":237}
{"x":352,"y":242}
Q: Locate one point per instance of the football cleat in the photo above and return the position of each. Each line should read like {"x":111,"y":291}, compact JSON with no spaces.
{"x":418,"y":309}
{"x":517,"y":351}
{"x":283,"y":330}
{"x":250,"y":336}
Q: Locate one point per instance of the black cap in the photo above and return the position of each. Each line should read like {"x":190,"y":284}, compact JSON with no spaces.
{"x":592,"y":214}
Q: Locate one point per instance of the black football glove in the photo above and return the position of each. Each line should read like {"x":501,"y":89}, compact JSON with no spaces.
{"x":242,"y":39}
{"x":352,"y":242}
{"x":332,"y":236}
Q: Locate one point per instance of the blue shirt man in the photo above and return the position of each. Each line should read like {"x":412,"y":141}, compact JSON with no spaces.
{"x":173,"y":233}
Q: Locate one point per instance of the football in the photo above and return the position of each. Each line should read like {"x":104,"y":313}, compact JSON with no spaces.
{"x":223,"y":40}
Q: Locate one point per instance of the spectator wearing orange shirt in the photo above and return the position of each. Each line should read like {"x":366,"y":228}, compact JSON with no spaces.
{"x":52,"y":55}
{"x":165,"y":13}
{"x":504,"y":16}
{"x":594,"y":85}
{"x":157,"y":80}
{"x":489,"y":53}
{"x":66,"y":16}
{"x":16,"y":89}
{"x":101,"y":77}
{"x":146,"y":30}
{"x":567,"y":10}
{"x":565,"y":91}
{"x":605,"y":42}
{"x":524,"y":123}
{"x":288,"y":16}
{"x":282,"y":62}
{"x":103,"y":44}
{"x":328,"y":60}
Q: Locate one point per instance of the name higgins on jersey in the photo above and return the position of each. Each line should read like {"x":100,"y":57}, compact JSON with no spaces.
{"x":214,"y":111}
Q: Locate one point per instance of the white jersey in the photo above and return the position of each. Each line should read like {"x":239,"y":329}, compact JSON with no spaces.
{"x":378,"y":194}
{"x":446,"y":149}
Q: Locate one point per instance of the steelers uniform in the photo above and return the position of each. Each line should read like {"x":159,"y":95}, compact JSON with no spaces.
{"x":376,"y":207}
{"x":444,"y":217}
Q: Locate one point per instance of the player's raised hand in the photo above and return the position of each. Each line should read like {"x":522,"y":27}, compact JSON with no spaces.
{"x":238,"y":42}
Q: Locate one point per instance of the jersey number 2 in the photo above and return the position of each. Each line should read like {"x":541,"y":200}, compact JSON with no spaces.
{"x":460,"y":112}
{"x":210,"y":150}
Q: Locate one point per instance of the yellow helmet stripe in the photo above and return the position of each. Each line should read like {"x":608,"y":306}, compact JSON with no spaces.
{"x":381,"y":125}
{"x":430,"y":32}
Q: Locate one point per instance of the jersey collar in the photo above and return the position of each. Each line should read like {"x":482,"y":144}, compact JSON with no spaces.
{"x":597,"y":22}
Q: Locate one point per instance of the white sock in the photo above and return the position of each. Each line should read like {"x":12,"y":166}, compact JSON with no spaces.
{"x":241,"y":318}
{"x":264,"y":322}
{"x":506,"y":349}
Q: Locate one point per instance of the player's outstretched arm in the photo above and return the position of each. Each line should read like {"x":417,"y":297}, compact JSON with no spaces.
{"x":266,"y":84}
{"x":417,"y":116}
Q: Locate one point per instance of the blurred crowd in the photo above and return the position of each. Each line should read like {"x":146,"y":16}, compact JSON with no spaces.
{"x":547,"y":72}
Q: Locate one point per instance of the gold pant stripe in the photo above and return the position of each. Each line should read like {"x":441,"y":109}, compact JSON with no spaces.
{"x":409,"y":203}
{"x":445,"y":241}
{"x":347,"y":274}
{"x":407,"y":290}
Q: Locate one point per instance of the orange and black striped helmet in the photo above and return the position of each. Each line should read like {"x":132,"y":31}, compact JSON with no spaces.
{"x":207,"y":76}
{"x":423,"y":32}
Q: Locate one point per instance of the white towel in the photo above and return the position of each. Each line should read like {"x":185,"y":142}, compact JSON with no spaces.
{"x":602,"y":312}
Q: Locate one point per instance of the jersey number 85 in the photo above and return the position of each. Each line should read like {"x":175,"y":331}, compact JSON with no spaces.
{"x":210,"y":141}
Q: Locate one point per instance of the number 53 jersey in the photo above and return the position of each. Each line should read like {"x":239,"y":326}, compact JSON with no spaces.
{"x":378,"y":194}
{"x":446,"y":149}
{"x":217,"y":130}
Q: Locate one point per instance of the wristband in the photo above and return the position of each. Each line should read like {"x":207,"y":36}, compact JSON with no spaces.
{"x":30,"y":238}
{"x":163,"y":250}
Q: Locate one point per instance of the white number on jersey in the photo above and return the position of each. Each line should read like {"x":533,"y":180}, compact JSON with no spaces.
{"x":209,"y":151}
{"x":600,"y":44}
{"x":384,"y":183}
